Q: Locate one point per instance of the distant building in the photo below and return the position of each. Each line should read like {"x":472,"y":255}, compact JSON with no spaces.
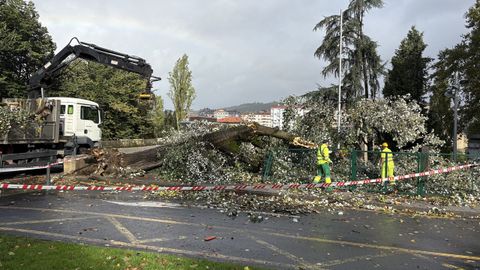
{"x":234,"y":113}
{"x":276,"y":113}
{"x":474,"y":144}
{"x":462,"y":142}
{"x":263,"y":118}
{"x":221,"y":113}
{"x":230,"y":120}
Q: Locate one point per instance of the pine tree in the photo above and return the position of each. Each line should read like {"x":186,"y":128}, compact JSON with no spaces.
{"x":408,"y":75}
{"x":361,"y":63}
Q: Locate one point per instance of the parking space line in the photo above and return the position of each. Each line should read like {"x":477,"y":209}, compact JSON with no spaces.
{"x":373,"y":246}
{"x":285,"y":235}
{"x":451,"y":266}
{"x":436,"y":262}
{"x":353,"y":259}
{"x":167,"y":221}
{"x":247,"y":261}
{"x":286,"y":254}
{"x":124,"y":231}
{"x":36,"y":221}
{"x":153,"y":240}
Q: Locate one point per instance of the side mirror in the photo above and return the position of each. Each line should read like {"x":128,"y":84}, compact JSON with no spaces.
{"x":102,"y":116}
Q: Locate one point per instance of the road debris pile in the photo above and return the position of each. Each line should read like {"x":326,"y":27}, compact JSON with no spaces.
{"x":108,"y":162}
{"x":301,"y":202}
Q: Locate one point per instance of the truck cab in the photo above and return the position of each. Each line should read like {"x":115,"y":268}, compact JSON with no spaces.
{"x":80,"y":118}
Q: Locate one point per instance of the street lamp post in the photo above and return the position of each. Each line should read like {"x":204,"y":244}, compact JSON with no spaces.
{"x":340,"y":77}
{"x":456,"y":88}
{"x":453,"y":93}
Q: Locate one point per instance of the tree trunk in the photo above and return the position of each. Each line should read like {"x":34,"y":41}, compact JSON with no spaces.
{"x":365,"y":76}
{"x":111,"y":161}
{"x":364,"y":58}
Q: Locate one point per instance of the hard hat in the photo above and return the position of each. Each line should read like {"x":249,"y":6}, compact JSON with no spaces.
{"x":384,"y":144}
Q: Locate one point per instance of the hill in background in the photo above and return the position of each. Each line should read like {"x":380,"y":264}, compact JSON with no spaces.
{"x":252,"y":107}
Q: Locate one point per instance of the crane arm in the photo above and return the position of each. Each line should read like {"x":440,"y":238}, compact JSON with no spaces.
{"x":43,"y":77}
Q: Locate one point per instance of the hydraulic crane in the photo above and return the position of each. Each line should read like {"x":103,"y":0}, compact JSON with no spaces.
{"x":43,"y":77}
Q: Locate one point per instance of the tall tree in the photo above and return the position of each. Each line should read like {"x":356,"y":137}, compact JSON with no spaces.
{"x":471,"y":71}
{"x":409,"y":68}
{"x":158,"y":117}
{"x":170,"y":120}
{"x":25,"y":46}
{"x":462,"y":60}
{"x":182,"y":92}
{"x":362,"y":64}
{"x":440,"y":114}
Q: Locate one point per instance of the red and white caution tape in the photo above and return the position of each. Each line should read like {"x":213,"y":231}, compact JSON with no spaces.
{"x":233,"y":187}
{"x":28,"y":168}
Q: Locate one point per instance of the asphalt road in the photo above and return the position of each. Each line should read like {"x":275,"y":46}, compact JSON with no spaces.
{"x":347,"y":240}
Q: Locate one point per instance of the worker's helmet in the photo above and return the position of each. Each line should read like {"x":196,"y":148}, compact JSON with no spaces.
{"x":384,"y":144}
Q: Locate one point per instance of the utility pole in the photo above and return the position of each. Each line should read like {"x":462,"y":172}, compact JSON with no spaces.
{"x":340,"y":76}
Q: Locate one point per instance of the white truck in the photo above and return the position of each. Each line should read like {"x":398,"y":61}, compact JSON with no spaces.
{"x":62,"y":125}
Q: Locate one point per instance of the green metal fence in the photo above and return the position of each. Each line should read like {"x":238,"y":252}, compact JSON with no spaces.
{"x":299,"y":165}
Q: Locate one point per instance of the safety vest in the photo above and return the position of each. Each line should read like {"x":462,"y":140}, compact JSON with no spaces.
{"x":323,"y":155}
{"x":387,"y":156}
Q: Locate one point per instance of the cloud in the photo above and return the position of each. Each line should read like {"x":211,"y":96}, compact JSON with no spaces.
{"x":241,"y":51}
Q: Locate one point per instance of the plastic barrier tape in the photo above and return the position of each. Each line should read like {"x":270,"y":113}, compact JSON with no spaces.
{"x":233,"y":187}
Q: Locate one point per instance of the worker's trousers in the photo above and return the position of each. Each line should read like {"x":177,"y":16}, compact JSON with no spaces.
{"x":387,"y":171}
{"x":323,"y":170}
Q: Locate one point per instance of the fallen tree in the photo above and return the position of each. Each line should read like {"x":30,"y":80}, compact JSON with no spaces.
{"x":197,"y":154}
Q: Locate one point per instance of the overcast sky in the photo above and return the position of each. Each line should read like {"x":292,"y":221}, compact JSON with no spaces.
{"x":241,"y":50}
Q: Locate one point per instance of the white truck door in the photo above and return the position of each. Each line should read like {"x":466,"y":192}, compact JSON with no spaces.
{"x":88,"y":122}
{"x":69,"y":119}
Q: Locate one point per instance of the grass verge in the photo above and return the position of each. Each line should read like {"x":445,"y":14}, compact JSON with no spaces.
{"x":27,"y":253}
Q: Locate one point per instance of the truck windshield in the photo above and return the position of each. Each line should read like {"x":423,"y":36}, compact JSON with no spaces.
{"x":89,"y":113}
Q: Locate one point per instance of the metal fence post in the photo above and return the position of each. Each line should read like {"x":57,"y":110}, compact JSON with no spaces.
{"x":48,"y":173}
{"x":423,"y":165}
{"x":267,"y":166}
{"x":353,"y":165}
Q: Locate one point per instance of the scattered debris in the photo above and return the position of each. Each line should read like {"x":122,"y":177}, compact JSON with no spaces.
{"x":255,"y":218}
{"x":209,"y":238}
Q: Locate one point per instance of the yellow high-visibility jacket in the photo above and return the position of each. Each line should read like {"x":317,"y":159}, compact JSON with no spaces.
{"x":323,"y":155}
{"x":387,"y":156}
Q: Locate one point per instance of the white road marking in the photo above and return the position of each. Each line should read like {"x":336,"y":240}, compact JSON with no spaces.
{"x":148,"y":204}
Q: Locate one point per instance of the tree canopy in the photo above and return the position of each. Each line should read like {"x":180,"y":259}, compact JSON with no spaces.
{"x":25,"y":46}
{"x":116,"y":92}
{"x":462,"y":61}
{"x":361,"y":63}
{"x":409,"y":74}
{"x":398,"y":121}
{"x":182,"y":92}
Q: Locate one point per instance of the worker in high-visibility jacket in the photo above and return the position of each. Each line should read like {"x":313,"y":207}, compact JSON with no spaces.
{"x":323,"y":167}
{"x":386,"y":161}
